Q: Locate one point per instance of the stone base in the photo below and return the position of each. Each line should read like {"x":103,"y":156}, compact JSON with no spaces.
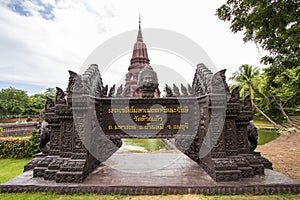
{"x":158,"y":173}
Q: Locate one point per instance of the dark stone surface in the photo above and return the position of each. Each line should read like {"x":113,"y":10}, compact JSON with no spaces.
{"x":209,"y":124}
{"x":171,"y":173}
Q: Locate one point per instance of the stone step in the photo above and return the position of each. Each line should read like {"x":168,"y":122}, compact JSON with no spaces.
{"x":297,"y":123}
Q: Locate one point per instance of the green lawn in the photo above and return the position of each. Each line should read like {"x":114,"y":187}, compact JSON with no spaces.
{"x":10,"y":168}
{"x":56,"y":196}
{"x":263,"y":124}
{"x":265,"y":136}
{"x":266,"y":131}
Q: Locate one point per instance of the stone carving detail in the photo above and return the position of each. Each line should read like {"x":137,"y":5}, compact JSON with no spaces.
{"x":126,"y":92}
{"x":112,"y":91}
{"x":44,"y":139}
{"x":183,"y":90}
{"x":119,"y":91}
{"x":252,"y":136}
{"x":247,"y":103}
{"x":104,"y":91}
{"x":235,"y":95}
{"x":191,"y":90}
{"x":92,"y":81}
{"x":219,"y":142}
{"x":202,"y":80}
{"x":176,"y":90}
{"x":147,"y":82}
{"x":72,"y":79}
{"x":218,"y":83}
{"x":60,"y":97}
{"x":49,"y":107}
{"x":168,"y":91}
{"x":78,"y":85}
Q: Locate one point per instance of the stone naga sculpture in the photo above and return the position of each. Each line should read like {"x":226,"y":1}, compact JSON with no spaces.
{"x":168,"y":91}
{"x":252,"y":136}
{"x":44,"y":139}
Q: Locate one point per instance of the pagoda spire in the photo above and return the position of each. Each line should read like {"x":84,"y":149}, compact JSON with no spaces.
{"x":139,"y":54}
{"x":140,"y":37}
{"x":138,"y":62}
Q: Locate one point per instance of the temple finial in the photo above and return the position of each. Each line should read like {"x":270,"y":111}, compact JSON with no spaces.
{"x":139,"y":21}
{"x":140,"y":37}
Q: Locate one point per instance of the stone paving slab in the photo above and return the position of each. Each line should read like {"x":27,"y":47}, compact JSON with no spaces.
{"x":155,"y":173}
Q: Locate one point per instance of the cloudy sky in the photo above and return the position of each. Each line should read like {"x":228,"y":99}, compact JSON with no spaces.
{"x":42,"y":39}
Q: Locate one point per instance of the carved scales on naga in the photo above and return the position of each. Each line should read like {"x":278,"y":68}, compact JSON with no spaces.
{"x":216,"y":137}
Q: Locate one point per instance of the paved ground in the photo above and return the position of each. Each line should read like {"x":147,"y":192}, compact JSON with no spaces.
{"x":284,"y":153}
{"x":156,"y":173}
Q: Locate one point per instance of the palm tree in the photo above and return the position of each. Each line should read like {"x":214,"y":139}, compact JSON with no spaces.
{"x":245,"y":78}
{"x":249,"y":81}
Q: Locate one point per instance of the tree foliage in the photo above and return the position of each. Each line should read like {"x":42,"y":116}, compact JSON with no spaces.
{"x":15,"y":102}
{"x":249,"y":80}
{"x":246,"y":77}
{"x":283,"y":91}
{"x":273,"y":24}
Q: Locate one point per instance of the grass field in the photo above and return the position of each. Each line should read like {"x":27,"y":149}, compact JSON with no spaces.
{"x":263,"y":124}
{"x":10,"y":168}
{"x":265,"y":136}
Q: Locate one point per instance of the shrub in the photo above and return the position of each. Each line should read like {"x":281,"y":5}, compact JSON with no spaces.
{"x":19,"y":147}
{"x":34,"y":142}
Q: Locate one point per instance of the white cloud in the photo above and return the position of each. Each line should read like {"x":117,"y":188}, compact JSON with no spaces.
{"x":40,"y":51}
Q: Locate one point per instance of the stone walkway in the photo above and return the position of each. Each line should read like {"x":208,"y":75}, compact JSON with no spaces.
{"x":157,"y":173}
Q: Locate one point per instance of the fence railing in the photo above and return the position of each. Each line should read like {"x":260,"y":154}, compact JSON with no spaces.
{"x":18,"y":129}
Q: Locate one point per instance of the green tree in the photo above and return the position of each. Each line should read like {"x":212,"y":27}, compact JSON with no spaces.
{"x":13,"y":101}
{"x":245,"y":78}
{"x":284,"y":91}
{"x":248,"y":80}
{"x":272,"y":24}
{"x":35,"y":104}
{"x":50,"y":92}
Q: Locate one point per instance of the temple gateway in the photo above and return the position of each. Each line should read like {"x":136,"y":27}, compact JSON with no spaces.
{"x":196,"y":117}
{"x":206,"y":121}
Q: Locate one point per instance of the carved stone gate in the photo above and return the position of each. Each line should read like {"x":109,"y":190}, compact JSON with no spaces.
{"x":209,"y":125}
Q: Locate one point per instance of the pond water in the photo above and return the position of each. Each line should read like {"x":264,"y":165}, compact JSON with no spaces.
{"x":141,"y":145}
{"x":148,"y":145}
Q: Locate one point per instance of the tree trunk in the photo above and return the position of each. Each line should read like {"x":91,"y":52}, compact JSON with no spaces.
{"x":284,"y":114}
{"x":268,"y":118}
{"x":287,"y":117}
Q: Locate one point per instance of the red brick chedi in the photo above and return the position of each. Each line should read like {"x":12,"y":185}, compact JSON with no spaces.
{"x":137,"y":63}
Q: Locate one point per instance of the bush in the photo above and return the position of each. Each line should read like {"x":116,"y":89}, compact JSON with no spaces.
{"x":34,"y":142}
{"x":14,"y":147}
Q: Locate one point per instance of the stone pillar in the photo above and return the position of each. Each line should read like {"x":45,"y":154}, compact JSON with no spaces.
{"x":225,"y":168}
{"x":55,"y":143}
{"x":242,"y":122}
{"x":230,"y":129}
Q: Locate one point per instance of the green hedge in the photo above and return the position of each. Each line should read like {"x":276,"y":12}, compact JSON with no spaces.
{"x":16,"y":147}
